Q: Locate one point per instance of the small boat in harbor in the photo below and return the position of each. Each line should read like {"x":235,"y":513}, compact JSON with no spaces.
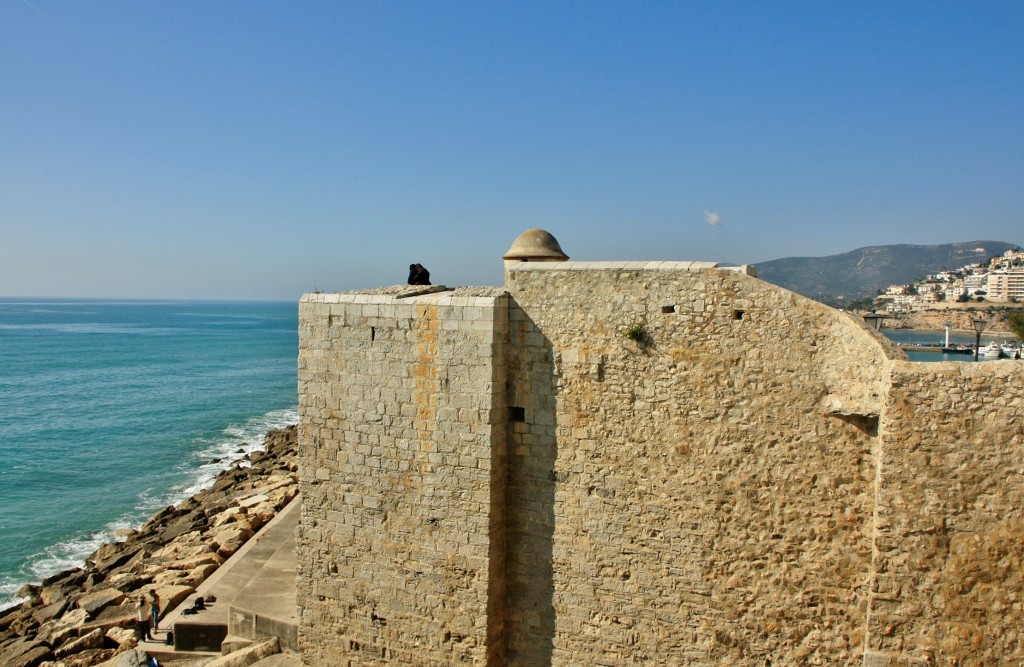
{"x":1010,"y":349}
{"x":990,"y":351}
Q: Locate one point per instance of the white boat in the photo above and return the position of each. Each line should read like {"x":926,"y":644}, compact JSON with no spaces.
{"x":1010,"y":349}
{"x":990,"y":351}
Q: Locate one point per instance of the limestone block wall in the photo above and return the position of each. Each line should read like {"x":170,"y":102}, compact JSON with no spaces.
{"x":701,"y":493}
{"x":949,"y":559}
{"x":402,"y":437}
{"x":648,"y":463}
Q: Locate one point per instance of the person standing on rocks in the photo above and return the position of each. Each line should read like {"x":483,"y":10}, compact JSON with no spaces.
{"x":143,"y":623}
{"x":154,"y":609}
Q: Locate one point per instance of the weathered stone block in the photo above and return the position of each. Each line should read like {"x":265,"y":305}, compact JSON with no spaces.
{"x":93,"y":601}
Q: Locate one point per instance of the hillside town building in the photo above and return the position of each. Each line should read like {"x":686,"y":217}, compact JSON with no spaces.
{"x":1009,"y":260}
{"x":1005,"y":286}
{"x":1000,"y":281}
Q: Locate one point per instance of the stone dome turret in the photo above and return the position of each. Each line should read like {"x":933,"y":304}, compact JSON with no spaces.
{"x":535,"y":245}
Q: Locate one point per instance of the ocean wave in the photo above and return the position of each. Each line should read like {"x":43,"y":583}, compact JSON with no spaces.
{"x":232,"y":446}
{"x":56,"y":558}
{"x":8,"y":594}
{"x":218,"y":453}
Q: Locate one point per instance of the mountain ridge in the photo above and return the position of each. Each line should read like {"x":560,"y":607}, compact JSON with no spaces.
{"x":846,"y":277}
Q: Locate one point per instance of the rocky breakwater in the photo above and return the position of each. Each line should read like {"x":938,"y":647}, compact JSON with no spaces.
{"x":86,"y":616}
{"x":934,"y":319}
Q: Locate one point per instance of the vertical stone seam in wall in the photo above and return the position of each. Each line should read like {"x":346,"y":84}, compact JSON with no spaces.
{"x":498,"y":548}
{"x":425,"y":373}
{"x":879,"y":455}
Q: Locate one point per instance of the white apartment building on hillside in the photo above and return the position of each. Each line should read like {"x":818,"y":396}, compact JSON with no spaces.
{"x":1005,"y":286}
{"x":955,"y":290}
{"x":976,"y":282}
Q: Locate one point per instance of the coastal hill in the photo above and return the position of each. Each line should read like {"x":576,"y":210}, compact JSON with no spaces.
{"x":840,"y":279}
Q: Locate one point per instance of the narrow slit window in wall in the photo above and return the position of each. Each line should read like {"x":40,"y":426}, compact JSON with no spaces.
{"x":668,"y":309}
{"x":373,"y":333}
{"x":866,"y":423}
{"x":516,"y":414}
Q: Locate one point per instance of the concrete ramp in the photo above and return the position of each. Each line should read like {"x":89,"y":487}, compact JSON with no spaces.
{"x":257,"y":584}
{"x":266,"y":606}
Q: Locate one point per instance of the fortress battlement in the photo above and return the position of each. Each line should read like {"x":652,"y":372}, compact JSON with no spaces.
{"x":612,"y":463}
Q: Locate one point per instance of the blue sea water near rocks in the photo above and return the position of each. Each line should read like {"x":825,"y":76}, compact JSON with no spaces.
{"x":111,"y":410}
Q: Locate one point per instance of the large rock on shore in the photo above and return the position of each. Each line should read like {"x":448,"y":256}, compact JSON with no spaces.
{"x":92,"y":640}
{"x":249,"y":655}
{"x":93,"y":601}
{"x":84,"y":616}
{"x":23,"y":652}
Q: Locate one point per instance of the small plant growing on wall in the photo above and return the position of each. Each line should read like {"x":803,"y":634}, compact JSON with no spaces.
{"x":638,"y":333}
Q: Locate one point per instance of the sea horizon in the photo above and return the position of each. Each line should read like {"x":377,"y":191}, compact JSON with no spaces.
{"x":131,"y":299}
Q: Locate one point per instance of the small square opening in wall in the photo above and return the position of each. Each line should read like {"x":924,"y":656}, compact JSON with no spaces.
{"x":668,"y":309}
{"x":738,"y":314}
{"x":516,"y":414}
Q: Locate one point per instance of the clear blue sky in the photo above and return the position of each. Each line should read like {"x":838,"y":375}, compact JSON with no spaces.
{"x":262,"y":149}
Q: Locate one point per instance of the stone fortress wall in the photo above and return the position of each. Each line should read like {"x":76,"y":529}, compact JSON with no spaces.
{"x":648,"y":463}
{"x":403,"y":430}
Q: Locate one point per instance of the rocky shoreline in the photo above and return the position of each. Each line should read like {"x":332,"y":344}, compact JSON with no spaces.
{"x":934,"y":319}
{"x":86,"y":616}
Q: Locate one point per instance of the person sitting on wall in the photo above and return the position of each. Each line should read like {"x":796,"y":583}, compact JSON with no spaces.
{"x":418,"y":275}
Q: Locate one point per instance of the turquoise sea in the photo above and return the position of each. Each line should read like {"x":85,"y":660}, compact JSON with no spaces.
{"x":111,"y":410}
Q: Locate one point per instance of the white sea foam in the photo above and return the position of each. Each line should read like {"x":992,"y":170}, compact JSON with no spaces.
{"x":227,"y":449}
{"x":8,"y":595}
{"x":56,"y":558}
{"x":236,"y":443}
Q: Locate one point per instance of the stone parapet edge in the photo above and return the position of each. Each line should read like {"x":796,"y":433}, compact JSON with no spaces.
{"x":745,"y":269}
{"x":439,"y":299}
{"x":612,"y":266}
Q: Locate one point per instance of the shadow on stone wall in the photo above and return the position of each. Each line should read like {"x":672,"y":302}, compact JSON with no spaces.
{"x":531,"y":493}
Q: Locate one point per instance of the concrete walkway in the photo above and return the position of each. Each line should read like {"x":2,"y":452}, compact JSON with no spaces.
{"x":266,"y":606}
{"x":254,"y":597}
{"x":280,"y":660}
